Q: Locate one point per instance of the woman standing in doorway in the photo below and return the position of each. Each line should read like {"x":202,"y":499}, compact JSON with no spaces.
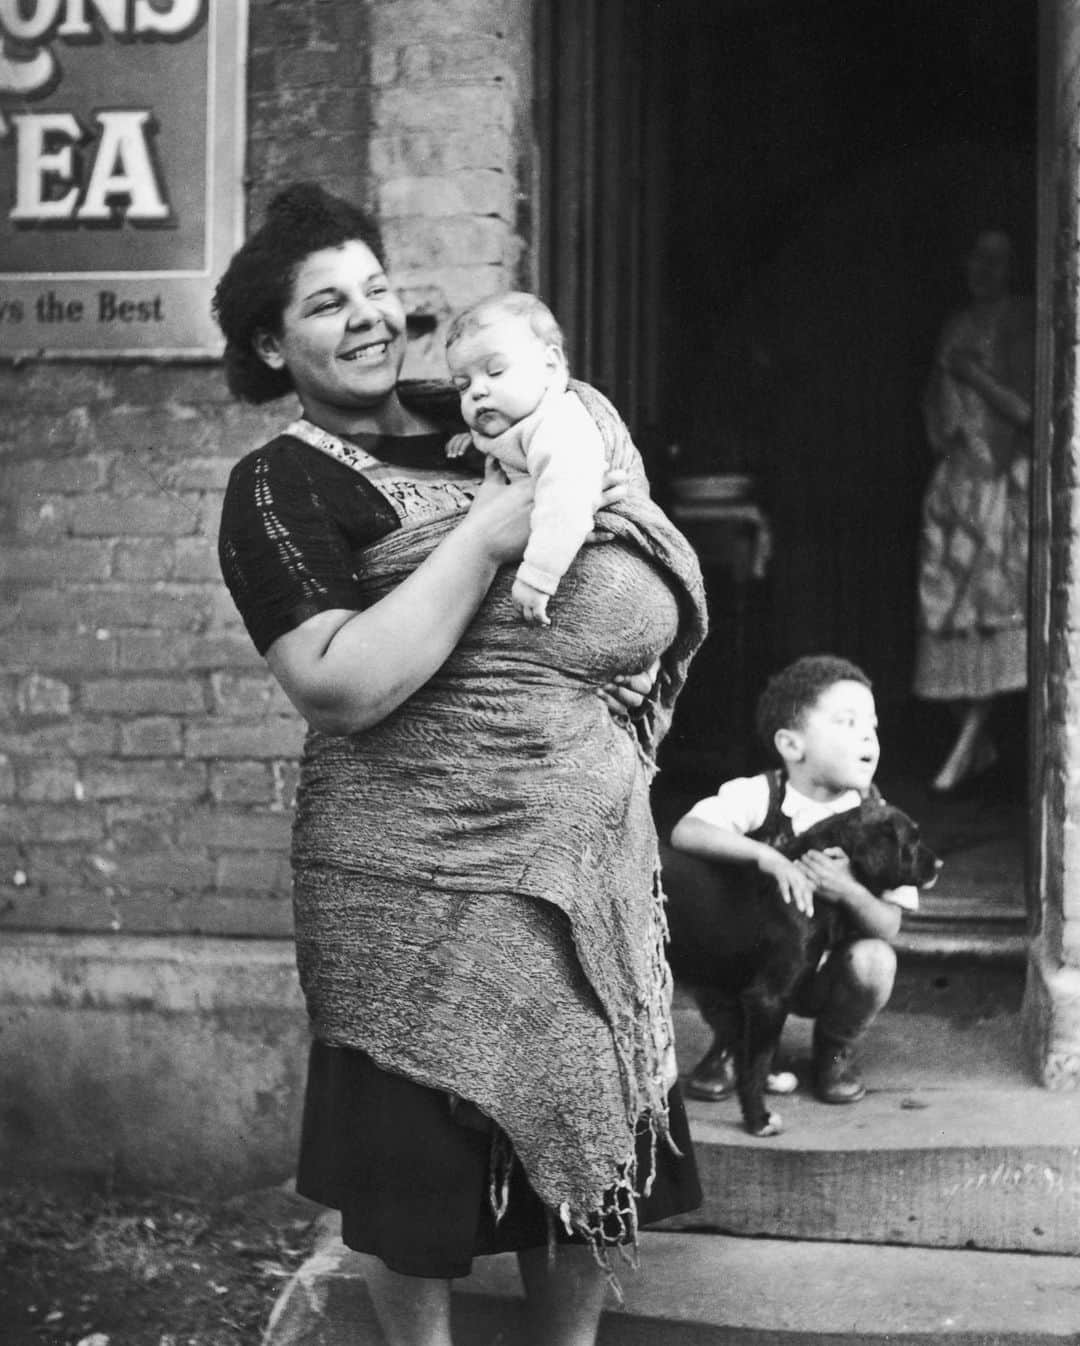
{"x":475,"y":872}
{"x":973,"y":564}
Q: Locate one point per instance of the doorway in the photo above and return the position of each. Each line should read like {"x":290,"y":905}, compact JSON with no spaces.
{"x":797,"y":181}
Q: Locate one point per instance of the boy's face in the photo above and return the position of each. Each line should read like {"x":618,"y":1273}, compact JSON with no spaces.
{"x":501,"y":372}
{"x":837,"y":740}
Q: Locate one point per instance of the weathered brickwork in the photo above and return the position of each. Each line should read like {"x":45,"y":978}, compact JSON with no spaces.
{"x":309,"y":97}
{"x":450,"y":151}
{"x":1061,"y":915}
{"x":1051,"y":1014}
{"x":147,"y":759}
{"x":130,"y":691}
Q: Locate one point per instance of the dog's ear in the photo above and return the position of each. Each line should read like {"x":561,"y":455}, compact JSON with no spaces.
{"x":871,"y":834}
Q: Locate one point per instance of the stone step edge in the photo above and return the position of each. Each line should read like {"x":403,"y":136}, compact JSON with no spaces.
{"x":792,"y":1291}
{"x":1006,"y":946}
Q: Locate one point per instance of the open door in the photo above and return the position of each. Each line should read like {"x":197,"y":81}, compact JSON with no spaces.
{"x":752,"y":218}
{"x":600,"y":227}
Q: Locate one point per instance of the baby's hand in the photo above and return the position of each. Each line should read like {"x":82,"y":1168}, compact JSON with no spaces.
{"x":531,"y":603}
{"x":794,"y":885}
{"x":457,"y":446}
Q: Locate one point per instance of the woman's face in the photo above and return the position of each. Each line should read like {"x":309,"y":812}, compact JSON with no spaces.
{"x":342,"y":335}
{"x":988,"y":266}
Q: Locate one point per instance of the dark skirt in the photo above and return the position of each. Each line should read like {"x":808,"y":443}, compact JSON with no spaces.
{"x":412,"y":1181}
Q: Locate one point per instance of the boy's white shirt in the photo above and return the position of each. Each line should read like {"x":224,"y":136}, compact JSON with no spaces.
{"x":742,"y":805}
{"x":560,"y":446}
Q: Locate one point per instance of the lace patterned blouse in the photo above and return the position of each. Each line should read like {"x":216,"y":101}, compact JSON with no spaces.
{"x":299,"y":512}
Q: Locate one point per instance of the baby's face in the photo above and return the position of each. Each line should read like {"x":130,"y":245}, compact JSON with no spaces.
{"x":839,"y":737}
{"x":501,"y":371}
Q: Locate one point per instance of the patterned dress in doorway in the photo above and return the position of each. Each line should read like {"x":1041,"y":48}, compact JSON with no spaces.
{"x":973,"y":559}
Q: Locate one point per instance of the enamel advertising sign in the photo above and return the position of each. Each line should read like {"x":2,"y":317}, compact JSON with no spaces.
{"x":121,"y":162}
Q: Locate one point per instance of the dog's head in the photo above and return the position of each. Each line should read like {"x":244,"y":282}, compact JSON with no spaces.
{"x":882,"y":843}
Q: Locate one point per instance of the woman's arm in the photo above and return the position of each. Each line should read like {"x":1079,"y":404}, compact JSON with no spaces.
{"x":345,"y":671}
{"x":1015,"y":408}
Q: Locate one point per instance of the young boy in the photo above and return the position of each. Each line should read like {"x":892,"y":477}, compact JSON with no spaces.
{"x":507,"y":360}
{"x":818,"y":718}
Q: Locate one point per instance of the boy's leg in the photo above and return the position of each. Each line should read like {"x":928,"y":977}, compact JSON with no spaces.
{"x":713,"y":1078}
{"x":844,"y":999}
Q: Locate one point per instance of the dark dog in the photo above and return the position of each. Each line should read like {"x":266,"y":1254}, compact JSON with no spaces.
{"x":743,"y":940}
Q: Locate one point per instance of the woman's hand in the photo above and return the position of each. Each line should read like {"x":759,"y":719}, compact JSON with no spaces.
{"x":964,"y":365}
{"x":500,"y":511}
{"x":627,"y":692}
{"x":794,"y":884}
{"x":346,"y":670}
{"x":615,"y":487}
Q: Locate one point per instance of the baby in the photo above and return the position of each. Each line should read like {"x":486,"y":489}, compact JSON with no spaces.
{"x":507,"y":360}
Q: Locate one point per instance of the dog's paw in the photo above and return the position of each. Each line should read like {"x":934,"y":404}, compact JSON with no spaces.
{"x":772,"y":1126}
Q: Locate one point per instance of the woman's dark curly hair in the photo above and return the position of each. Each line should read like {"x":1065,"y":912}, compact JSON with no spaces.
{"x":257,"y":285}
{"x":796,"y":689}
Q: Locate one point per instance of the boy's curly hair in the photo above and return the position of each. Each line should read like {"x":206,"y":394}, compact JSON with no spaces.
{"x":257,"y":285}
{"x":789,"y":694}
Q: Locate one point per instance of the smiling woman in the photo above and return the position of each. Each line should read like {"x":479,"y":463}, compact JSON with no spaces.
{"x":475,"y":869}
{"x":342,"y":338}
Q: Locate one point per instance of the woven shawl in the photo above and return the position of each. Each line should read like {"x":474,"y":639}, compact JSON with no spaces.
{"x":476,"y":877}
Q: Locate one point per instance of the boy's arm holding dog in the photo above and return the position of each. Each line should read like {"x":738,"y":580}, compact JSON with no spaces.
{"x":830,"y":874}
{"x":723,"y":840}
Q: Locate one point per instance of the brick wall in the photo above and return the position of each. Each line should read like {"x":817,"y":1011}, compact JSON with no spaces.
{"x":451,"y":151}
{"x":1051,"y":1010}
{"x":1061,"y":783}
{"x":147,"y":760}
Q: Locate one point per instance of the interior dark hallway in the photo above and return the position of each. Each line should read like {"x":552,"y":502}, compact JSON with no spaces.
{"x":828,"y":165}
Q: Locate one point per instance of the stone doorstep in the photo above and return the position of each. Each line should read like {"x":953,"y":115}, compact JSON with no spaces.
{"x":954,"y":1145}
{"x":690,"y":1290}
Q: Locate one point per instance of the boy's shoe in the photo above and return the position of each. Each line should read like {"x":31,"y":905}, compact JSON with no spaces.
{"x":713,"y":1078}
{"x":835,"y":1078}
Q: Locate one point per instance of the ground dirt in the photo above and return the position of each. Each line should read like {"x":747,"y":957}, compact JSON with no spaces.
{"x":78,"y":1265}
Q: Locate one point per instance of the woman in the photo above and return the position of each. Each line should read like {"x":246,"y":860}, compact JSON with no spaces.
{"x":478,"y":919}
{"x":973,"y":567}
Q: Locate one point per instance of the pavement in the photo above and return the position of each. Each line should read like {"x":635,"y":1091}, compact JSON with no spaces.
{"x":944,"y":1207}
